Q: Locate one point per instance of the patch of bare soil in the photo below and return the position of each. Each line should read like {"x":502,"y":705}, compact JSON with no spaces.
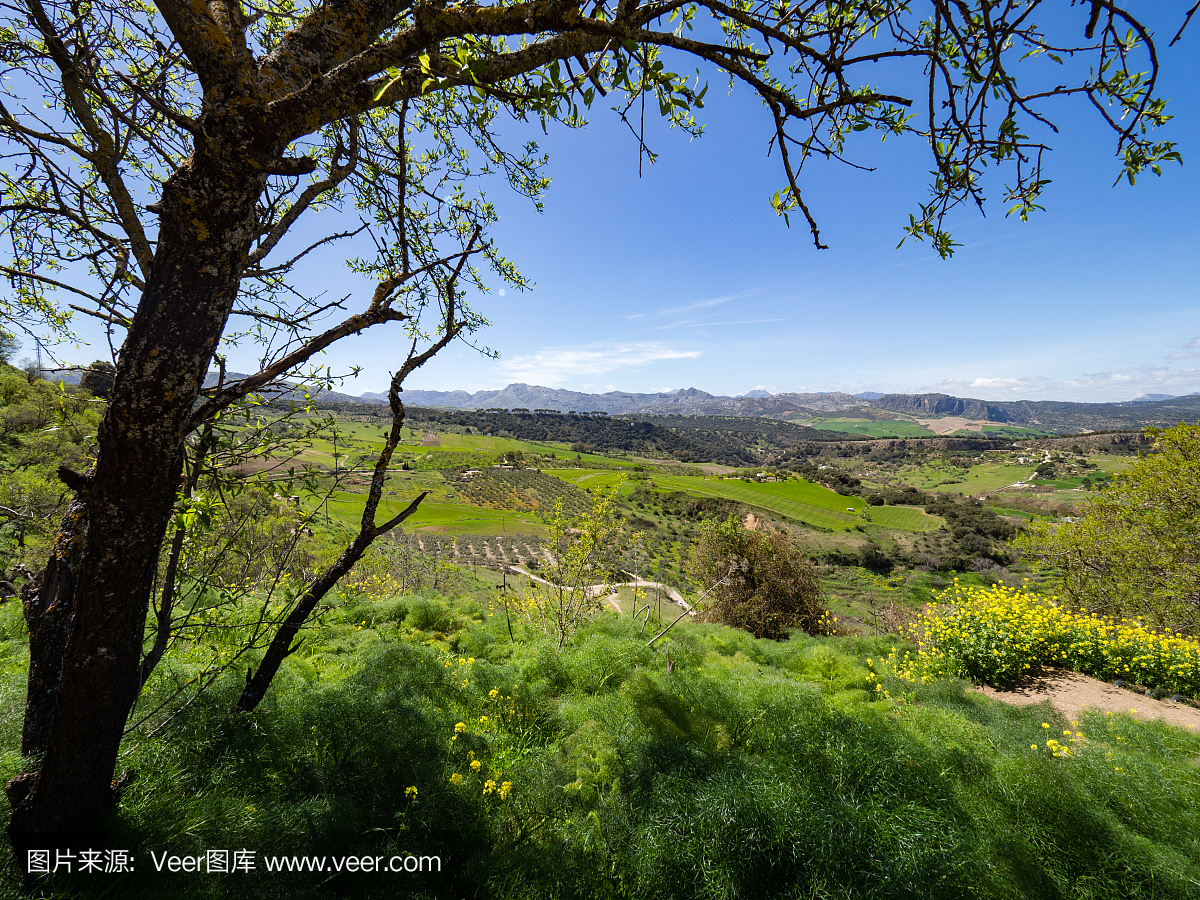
{"x":1071,"y":692}
{"x":709,"y":468}
{"x":951,"y":424}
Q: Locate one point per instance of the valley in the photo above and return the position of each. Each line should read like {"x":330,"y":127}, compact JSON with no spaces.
{"x":425,"y":696}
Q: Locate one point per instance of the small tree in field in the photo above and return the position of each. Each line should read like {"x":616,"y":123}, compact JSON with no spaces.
{"x":771,"y":588}
{"x":579,"y":575}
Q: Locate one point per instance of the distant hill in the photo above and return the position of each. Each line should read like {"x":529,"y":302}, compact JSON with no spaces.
{"x":1055,"y":416}
{"x":526,"y":396}
{"x":941,"y":405}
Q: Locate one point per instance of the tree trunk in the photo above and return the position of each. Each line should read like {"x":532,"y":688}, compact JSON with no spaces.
{"x":208,"y":223}
{"x":48,"y":613}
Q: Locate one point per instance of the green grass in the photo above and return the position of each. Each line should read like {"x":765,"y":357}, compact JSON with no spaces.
{"x":799,"y":500}
{"x":358,"y":440}
{"x":446,"y":514}
{"x":975,"y":480}
{"x":746,"y":769}
{"x":905,"y":518}
{"x":871,"y":427}
{"x":590,"y":479}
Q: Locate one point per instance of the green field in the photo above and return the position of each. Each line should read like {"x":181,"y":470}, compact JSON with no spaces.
{"x":358,"y":443}
{"x":799,"y":500}
{"x":904,"y":518}
{"x":437,"y":513}
{"x":589,"y":479}
{"x":977,"y":479}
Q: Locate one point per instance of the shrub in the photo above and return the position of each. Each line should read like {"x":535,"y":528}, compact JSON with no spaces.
{"x":763,"y":582}
{"x":1134,"y":553}
{"x":997,"y":635}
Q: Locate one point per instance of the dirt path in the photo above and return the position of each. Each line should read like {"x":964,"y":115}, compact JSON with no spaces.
{"x":673,"y":594}
{"x":1070,"y":692}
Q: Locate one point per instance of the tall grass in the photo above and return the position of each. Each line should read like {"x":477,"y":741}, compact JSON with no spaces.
{"x":741,"y":768}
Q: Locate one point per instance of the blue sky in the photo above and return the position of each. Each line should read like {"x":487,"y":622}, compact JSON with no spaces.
{"x":685,"y":277}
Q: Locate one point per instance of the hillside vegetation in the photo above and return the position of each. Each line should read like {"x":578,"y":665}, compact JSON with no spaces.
{"x":714,"y":765}
{"x":423,"y":716}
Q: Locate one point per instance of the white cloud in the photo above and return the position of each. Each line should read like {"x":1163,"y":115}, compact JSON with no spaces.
{"x":993,"y":385}
{"x":1191,"y":350}
{"x":699,"y":304}
{"x":1093,"y":387}
{"x":554,"y":365}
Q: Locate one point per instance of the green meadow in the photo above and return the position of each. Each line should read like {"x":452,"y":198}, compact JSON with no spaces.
{"x":359,"y":442}
{"x":904,"y":518}
{"x":709,"y":766}
{"x":975,"y":480}
{"x":794,"y":499}
{"x":446,"y":515}
{"x":590,"y":479}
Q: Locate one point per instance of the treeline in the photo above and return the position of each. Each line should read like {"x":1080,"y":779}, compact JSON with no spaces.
{"x":584,"y":433}
{"x":774,"y":432}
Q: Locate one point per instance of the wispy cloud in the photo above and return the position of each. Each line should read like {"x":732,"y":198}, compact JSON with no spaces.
{"x":994,"y":385}
{"x":554,"y":365}
{"x":689,"y":307}
{"x":1191,"y":350}
{"x":1095,"y":387}
{"x":703,"y":323}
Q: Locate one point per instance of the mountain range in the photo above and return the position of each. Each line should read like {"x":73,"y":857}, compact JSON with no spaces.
{"x":1057,"y":416}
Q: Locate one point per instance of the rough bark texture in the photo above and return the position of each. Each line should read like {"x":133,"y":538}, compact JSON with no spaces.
{"x":207,"y":225}
{"x":48,"y":614}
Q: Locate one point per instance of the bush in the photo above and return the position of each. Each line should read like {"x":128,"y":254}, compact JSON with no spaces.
{"x":1134,"y":553}
{"x":998,"y":635}
{"x":98,"y":379}
{"x":762,"y":581}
